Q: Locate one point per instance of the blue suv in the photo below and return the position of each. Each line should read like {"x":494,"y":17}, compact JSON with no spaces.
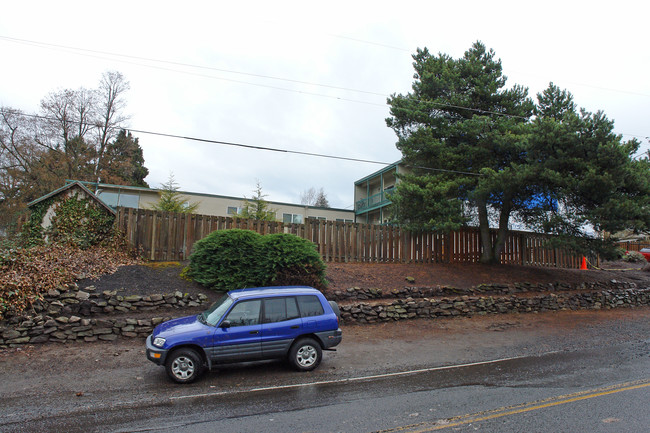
{"x":297,"y":323}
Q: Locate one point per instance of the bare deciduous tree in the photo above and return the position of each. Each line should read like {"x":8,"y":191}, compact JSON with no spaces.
{"x":75,"y":135}
{"x":312,"y":197}
{"x":110,"y":113}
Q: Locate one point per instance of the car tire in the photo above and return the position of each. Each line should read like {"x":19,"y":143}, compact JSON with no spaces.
{"x":305,"y":354}
{"x":184,"y":365}
{"x":336,"y":309}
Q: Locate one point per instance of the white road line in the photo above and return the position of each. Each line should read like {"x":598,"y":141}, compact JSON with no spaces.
{"x":354,"y":379}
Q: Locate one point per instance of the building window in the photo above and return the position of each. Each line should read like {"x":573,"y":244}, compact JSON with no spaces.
{"x":289,"y":218}
{"x":233,"y":210}
{"x":341,"y":220}
{"x":115,"y":199}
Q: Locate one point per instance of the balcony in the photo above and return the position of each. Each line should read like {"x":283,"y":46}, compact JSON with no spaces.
{"x":374,"y":201}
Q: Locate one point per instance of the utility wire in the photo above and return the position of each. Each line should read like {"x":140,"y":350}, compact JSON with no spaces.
{"x":255,"y":147}
{"x":270,"y":149}
{"x":189,"y":65}
{"x":438,"y":104}
{"x":383,"y":105}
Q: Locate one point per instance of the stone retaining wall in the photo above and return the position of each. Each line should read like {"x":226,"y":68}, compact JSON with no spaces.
{"x":42,"y":329}
{"x":356,"y":293}
{"x":56,"y":324}
{"x":71,"y":300}
{"x":412,"y":308}
{"x":65,"y":315}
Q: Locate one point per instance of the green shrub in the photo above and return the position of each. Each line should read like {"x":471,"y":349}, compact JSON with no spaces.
{"x":235,"y":259}
{"x":76,"y":221}
{"x":291,"y":260}
{"x":633,"y":257}
{"x":227,"y":259}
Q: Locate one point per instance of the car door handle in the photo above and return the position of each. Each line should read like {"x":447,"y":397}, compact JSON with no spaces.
{"x":255,"y":332}
{"x":295,"y":327}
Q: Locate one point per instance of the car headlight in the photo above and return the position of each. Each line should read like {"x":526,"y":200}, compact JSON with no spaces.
{"x":159,"y":342}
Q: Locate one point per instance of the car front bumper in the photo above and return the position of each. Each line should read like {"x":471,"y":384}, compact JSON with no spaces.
{"x":155,"y":354}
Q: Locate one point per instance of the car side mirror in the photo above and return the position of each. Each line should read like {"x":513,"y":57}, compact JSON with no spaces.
{"x":225,"y":324}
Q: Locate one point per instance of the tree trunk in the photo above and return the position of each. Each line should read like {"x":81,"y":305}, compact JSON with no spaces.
{"x":502,"y":234}
{"x":487,"y":254}
{"x":491,"y":252}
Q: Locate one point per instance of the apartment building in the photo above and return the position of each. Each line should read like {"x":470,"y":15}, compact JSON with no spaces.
{"x":372,"y":194}
{"x":211,"y":204}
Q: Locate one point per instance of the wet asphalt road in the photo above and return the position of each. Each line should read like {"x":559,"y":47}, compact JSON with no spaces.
{"x":591,"y":376}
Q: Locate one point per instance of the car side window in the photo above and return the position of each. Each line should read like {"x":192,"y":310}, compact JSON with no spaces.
{"x":280,"y":309}
{"x":310,"y":306}
{"x":292,"y":309}
{"x":245,"y":313}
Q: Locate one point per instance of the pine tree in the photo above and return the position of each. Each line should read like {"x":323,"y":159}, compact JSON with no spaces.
{"x":256,"y":207}
{"x":171,"y":200}
{"x":477,"y":153}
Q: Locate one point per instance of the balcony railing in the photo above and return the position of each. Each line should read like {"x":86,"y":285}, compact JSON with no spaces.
{"x":374,"y":201}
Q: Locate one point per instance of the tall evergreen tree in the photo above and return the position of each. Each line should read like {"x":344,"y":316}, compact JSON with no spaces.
{"x":123,"y":162}
{"x":587,"y":174}
{"x":465,"y":152}
{"x":480,"y":150}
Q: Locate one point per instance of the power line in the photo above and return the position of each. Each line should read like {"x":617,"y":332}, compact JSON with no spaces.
{"x":439,"y":104}
{"x":255,"y":147}
{"x":270,"y":77}
{"x":189,"y":65}
{"x":383,"y":105}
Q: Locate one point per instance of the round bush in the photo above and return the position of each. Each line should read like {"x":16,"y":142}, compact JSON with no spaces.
{"x":235,"y":259}
{"x":227,"y":259}
{"x":291,"y":260}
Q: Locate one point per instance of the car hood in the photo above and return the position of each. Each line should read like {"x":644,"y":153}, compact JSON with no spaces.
{"x":181,"y":326}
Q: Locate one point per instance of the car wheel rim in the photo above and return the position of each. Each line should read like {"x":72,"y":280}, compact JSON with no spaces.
{"x":306,"y":356}
{"x":183,"y":367}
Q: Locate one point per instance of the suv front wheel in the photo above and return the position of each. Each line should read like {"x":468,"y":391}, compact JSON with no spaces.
{"x":184,"y":365}
{"x":305,"y":354}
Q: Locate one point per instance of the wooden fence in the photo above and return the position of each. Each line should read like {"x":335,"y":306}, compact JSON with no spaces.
{"x":163,"y":236}
{"x":633,"y":246}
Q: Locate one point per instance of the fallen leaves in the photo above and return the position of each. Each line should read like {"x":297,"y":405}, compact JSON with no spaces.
{"x":30,"y":273}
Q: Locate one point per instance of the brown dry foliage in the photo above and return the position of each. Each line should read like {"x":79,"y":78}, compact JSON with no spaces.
{"x":27,"y":274}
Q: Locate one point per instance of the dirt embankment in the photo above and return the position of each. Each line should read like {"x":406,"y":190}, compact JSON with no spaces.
{"x":149,"y":279}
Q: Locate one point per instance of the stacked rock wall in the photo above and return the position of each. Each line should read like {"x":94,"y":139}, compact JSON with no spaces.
{"x":414,"y":308}
{"x":85,"y":315}
{"x":356,"y":293}
{"x":71,"y":314}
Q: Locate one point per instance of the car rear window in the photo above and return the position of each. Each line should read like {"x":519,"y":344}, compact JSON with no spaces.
{"x":309,"y":306}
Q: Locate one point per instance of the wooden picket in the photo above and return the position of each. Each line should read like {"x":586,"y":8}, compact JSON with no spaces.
{"x":164,"y":236}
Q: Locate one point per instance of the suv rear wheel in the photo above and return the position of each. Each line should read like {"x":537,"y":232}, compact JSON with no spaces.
{"x":305,"y":354}
{"x":184,"y":365}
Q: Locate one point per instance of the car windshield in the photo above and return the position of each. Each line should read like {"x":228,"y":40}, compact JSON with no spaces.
{"x":216,"y":311}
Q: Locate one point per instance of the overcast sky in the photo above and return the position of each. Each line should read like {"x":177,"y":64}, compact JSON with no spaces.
{"x":307,"y":76}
